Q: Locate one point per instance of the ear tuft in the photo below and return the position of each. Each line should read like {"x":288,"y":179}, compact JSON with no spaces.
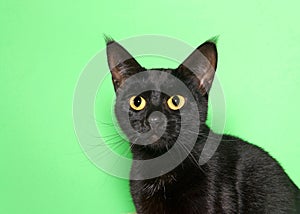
{"x":214,"y":39}
{"x":108,"y":39}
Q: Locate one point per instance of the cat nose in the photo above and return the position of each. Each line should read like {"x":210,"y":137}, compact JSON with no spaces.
{"x":156,"y":119}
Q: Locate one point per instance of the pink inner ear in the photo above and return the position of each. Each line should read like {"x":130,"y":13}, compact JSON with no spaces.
{"x":117,"y":55}
{"x":202,"y":62}
{"x":209,"y":50}
{"x":121,"y":63}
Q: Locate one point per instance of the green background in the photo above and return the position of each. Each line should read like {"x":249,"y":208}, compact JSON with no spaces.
{"x":44,"y":45}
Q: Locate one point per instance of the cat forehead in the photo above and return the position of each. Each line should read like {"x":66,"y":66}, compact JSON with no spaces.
{"x":161,"y":77}
{"x":153,"y":78}
{"x":156,"y":95}
{"x":160,"y":82}
{"x":162,"y":72}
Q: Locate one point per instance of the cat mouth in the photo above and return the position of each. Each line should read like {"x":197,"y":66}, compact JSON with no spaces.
{"x":152,"y":138}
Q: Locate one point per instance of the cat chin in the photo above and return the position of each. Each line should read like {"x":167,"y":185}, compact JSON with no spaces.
{"x":158,"y":145}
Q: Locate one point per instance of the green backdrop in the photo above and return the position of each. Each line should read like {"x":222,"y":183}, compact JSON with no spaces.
{"x":44,"y":45}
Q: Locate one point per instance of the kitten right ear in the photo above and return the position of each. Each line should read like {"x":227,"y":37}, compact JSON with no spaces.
{"x":203,"y":63}
{"x":120,"y":62}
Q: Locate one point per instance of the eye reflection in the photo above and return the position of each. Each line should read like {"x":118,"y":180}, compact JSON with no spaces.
{"x":176,"y":102}
{"x":137,"y":103}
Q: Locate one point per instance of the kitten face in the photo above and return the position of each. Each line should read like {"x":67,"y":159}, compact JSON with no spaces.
{"x":152,"y":117}
{"x":151,"y":104}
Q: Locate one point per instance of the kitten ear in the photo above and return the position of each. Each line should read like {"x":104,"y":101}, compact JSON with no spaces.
{"x":121,"y":64}
{"x":203,"y":63}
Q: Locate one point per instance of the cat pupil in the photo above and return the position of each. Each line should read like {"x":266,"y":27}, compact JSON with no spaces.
{"x":175,"y":100}
{"x":137,"y":101}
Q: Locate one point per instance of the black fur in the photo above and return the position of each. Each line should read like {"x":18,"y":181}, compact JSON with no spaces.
{"x":239,"y":178}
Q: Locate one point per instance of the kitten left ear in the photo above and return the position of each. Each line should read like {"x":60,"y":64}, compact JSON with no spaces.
{"x":203,"y":63}
{"x":120,"y":62}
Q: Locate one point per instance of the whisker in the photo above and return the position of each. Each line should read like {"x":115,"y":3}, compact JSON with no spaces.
{"x":191,"y":157}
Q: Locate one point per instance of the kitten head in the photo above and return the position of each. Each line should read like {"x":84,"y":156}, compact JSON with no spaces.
{"x":151,"y":103}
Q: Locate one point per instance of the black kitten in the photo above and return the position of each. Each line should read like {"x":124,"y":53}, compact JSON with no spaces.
{"x":153,"y":109}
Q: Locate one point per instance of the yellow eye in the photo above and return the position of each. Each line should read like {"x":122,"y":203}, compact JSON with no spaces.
{"x":137,"y":103}
{"x":176,"y":102}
